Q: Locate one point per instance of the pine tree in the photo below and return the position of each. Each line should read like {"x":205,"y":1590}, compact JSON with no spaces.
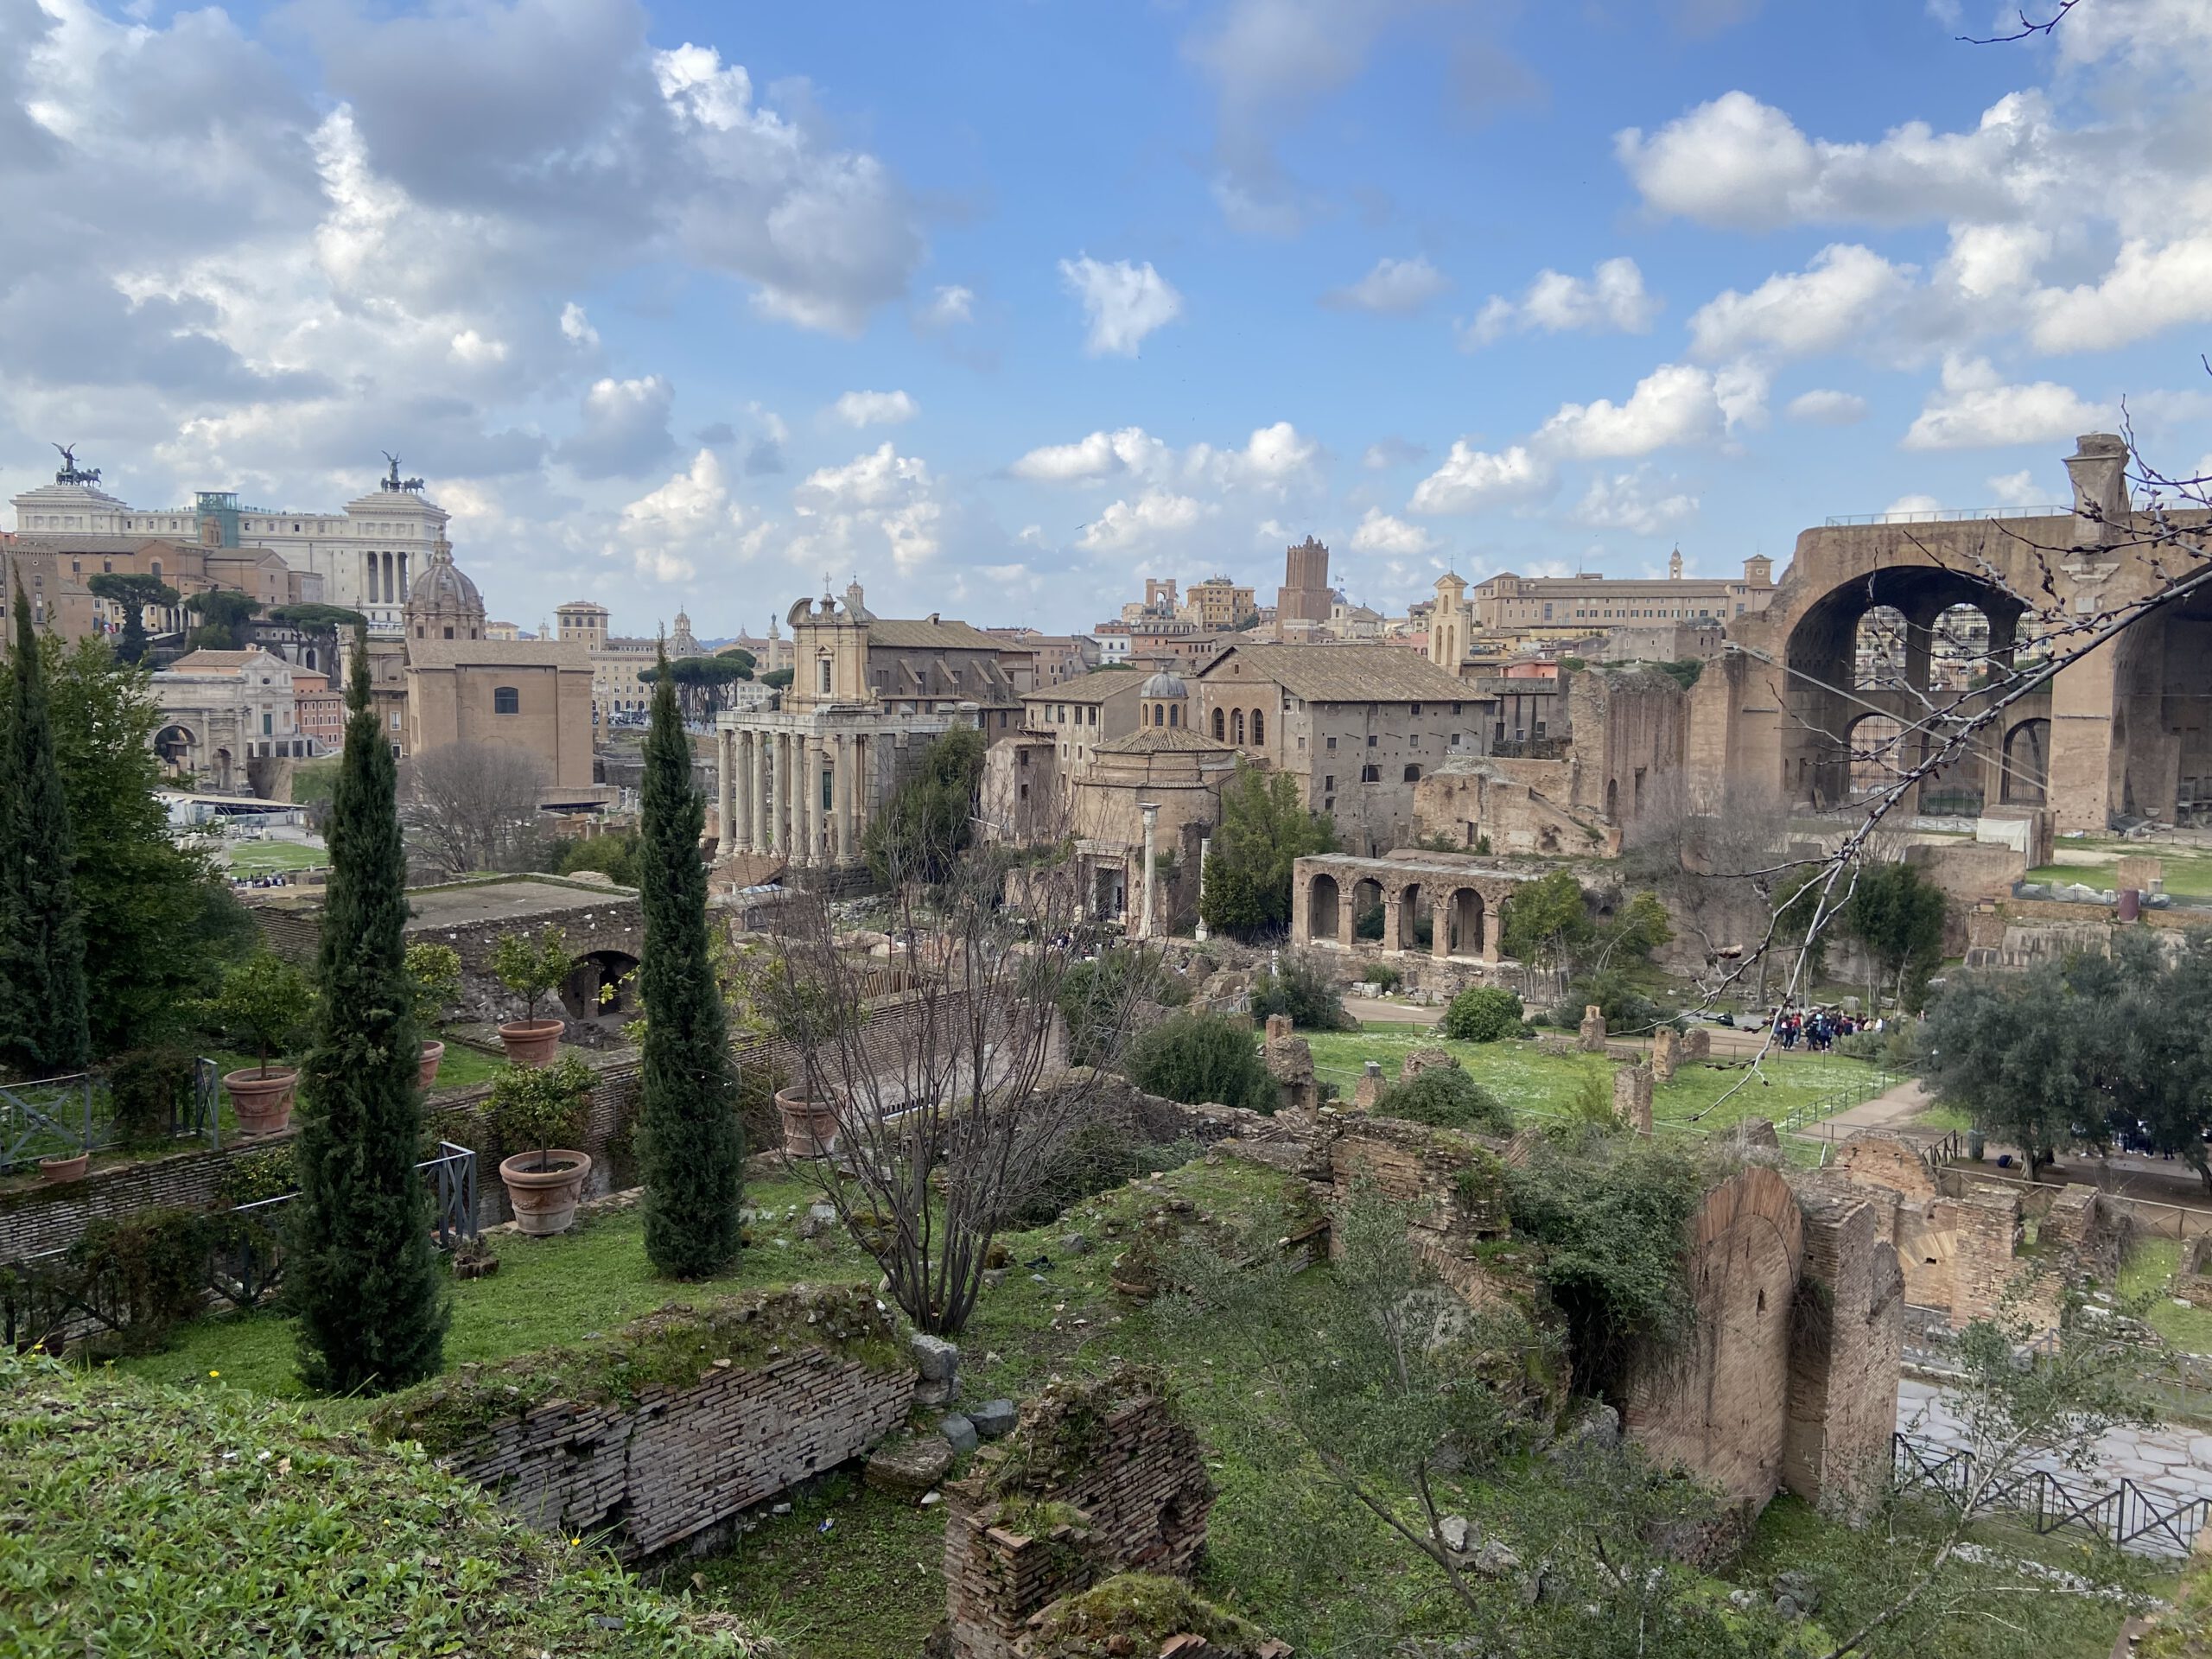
{"x":363,"y":1277}
{"x":691,"y":1144}
{"x":43,"y":1025}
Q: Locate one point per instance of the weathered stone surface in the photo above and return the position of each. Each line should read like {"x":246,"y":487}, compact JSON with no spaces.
{"x":1423,"y":1059}
{"x":959,"y":1434}
{"x":1666,"y":1053}
{"x":994,"y":1419}
{"x":1370,"y":1086}
{"x":936,"y":1359}
{"x":909,"y":1466}
{"x":1632,"y":1097}
{"x":1589,"y":1036}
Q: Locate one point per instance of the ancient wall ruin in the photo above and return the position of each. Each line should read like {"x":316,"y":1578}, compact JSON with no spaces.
{"x":1847,"y":1341}
{"x":774,"y":1387}
{"x":1717,"y":1402}
{"x":1100,"y":1477}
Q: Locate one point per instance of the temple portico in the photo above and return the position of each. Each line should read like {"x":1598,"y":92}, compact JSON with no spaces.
{"x":805,"y":784}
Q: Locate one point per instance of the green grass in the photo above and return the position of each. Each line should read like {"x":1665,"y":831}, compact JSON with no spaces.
{"x":170,"y":1524}
{"x":547,"y":1291}
{"x":2150,"y":1267}
{"x":464,"y":1067}
{"x":2187,"y":872}
{"x":272,"y":857}
{"x":1530,"y":1080}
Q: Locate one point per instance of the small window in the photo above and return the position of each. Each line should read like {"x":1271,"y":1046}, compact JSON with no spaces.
{"x":1220,"y":727}
{"x":1413,"y":774}
{"x":1329,"y":784}
{"x":1332,"y":745}
{"x":1175,"y":714}
{"x":1259,"y":726}
{"x":1370,"y":774}
{"x":1371,"y":740}
{"x":1455,"y":708}
{"x":1236,"y":726}
{"x":506,"y":700}
{"x":1417,"y":711}
{"x":448,"y":632}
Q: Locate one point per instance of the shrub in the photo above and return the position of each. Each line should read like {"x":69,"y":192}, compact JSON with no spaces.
{"x":532,"y":970}
{"x":151,"y":1267}
{"x":434,"y":975}
{"x":1094,"y":1159}
{"x":535,"y":1108}
{"x":1483,"y":1013}
{"x":264,"y":1002}
{"x":1383,"y":977}
{"x":1200,"y":1057}
{"x":1302,"y":987}
{"x":1445,"y":1097}
{"x":145,"y":1088}
{"x":1094,"y":999}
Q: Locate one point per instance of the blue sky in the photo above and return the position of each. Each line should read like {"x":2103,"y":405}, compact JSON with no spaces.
{"x":1002,"y":307}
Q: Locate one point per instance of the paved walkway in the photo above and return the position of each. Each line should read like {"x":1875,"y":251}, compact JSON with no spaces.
{"x":1391,"y":1014}
{"x":2168,"y":1459}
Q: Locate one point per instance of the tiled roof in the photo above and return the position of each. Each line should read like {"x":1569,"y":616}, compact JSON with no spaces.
{"x":1094,"y":687}
{"x":926,"y":635}
{"x":1341,"y":673}
{"x":1152,"y":740}
{"x":497,"y":653}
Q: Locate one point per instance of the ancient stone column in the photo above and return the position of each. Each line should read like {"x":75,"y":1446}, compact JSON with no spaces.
{"x":1204,"y":842}
{"x":748,"y":804}
{"x":1439,"y":923}
{"x":1151,"y":811}
{"x":786,"y":825}
{"x":1666,"y":1053}
{"x":844,"y":763}
{"x":1370,"y":1085}
{"x":757,"y":820}
{"x":1632,"y":1097}
{"x":725,"y":793}
{"x":1590,"y":1038}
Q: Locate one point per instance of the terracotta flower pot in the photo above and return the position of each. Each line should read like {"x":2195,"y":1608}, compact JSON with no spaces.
{"x":810,"y":1126}
{"x":432,"y":1054}
{"x":262,"y":1099}
{"x":545,"y":1200}
{"x":531,"y":1042}
{"x":55,"y":1171}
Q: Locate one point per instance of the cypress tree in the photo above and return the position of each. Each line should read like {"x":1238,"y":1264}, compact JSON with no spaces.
{"x":363,"y":1276}
{"x":43,"y":1026}
{"x":691,"y":1145}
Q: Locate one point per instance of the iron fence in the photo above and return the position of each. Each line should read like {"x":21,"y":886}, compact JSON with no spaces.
{"x":2125,"y":1512}
{"x":60,"y":1117}
{"x":51,"y":1296}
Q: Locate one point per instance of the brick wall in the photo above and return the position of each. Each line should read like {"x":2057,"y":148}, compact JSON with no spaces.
{"x":653,"y":1471}
{"x":1126,"y":1478}
{"x":1846,"y":1342}
{"x":1451,"y":1184}
{"x":1717,"y":1404}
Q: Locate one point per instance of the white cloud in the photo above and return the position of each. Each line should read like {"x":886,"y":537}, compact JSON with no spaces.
{"x":1832,"y":302}
{"x":1378,"y":532}
{"x":1470,"y":479}
{"x":1126,"y":525}
{"x":2149,"y":288}
{"x":1823,"y":406}
{"x":1396,"y":288}
{"x":1736,"y":162}
{"x":1122,"y":302}
{"x":1386,"y":452}
{"x":949,"y":306}
{"x":859,"y":408}
{"x":881,"y":502}
{"x":1975,"y":409}
{"x":1676,"y":403}
{"x":475,"y":350}
{"x":1610,"y":300}
{"x":1101,"y":454}
{"x":1635,"y":502}
{"x":575,"y":326}
{"x":2019,"y":489}
{"x":668,"y":533}
{"x":625,"y":428}
{"x":1915,"y":505}
{"x":1274,"y":458}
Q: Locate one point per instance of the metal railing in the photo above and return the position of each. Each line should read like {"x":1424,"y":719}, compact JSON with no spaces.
{"x":2125,"y":1513}
{"x":1943,"y":516}
{"x":47,"y":1296}
{"x":60,"y":1117}
{"x":1840,"y":1100}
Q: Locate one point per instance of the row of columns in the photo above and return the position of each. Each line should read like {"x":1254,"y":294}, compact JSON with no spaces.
{"x":770,"y":793}
{"x":1490,"y":925}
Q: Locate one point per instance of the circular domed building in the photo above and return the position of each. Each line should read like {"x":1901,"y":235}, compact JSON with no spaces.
{"x":1161,"y":700}
{"x":443,"y":603}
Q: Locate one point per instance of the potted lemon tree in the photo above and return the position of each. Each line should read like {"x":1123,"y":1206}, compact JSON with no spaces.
{"x":264,"y":1002}
{"x":434,"y":974}
{"x":533,"y":1111}
{"x":532,"y":970}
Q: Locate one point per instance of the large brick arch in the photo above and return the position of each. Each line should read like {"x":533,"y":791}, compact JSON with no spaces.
{"x":1718,"y":1404}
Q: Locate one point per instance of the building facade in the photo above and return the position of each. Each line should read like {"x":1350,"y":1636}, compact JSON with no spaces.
{"x":1305,"y":596}
{"x":1591,"y":603}
{"x":223,"y":709}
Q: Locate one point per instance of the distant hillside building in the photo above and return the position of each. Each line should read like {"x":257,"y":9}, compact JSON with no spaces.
{"x":1594,"y":603}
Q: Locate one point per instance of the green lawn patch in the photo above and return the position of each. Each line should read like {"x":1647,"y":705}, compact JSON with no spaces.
{"x":547,"y":1292}
{"x":170,"y":1523}
{"x":272,"y":857}
{"x":1535,"y":1082}
{"x":2150,"y":1267}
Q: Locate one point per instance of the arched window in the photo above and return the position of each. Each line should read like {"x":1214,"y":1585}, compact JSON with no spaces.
{"x":1174,"y":714}
{"x":506,"y":700}
{"x":1237,"y":726}
{"x":1220,"y":726}
{"x":1259,"y":727}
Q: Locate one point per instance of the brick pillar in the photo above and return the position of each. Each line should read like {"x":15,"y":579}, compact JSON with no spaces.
{"x":1347,"y":914}
{"x":1439,"y":924}
{"x":1391,"y":901}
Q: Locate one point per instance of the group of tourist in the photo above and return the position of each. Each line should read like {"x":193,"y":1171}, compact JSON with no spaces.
{"x":1817,"y":1028}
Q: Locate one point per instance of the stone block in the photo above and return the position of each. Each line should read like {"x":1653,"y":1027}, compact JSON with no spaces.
{"x":937,"y":1360}
{"x":994,"y":1419}
{"x":1666,"y":1053}
{"x":2142,"y":874}
{"x":959,"y":1432}
{"x":1632,"y":1097}
{"x":1697,"y":1044}
{"x":1589,"y":1036}
{"x":1278,"y":1025}
{"x":1423,"y":1059}
{"x":909,"y":1467}
{"x":1370,"y":1086}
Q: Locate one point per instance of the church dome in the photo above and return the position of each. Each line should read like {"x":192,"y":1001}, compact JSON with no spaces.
{"x":1163,"y":684}
{"x":442,"y":587}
